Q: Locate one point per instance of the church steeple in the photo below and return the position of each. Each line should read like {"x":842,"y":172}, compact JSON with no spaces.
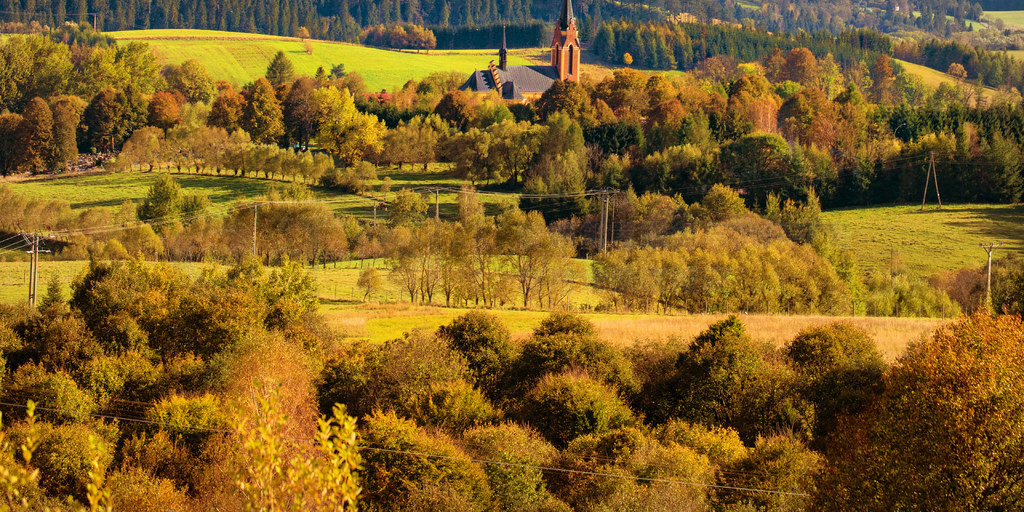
{"x":566,"y":17}
{"x":565,"y":45}
{"x":503,"y":52}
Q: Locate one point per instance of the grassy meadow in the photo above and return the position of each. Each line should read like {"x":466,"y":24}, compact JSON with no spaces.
{"x":241,"y":58}
{"x":1011,"y":18}
{"x":934,"y":78}
{"x":928,"y":241}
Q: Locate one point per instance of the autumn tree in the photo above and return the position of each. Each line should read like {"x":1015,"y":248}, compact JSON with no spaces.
{"x":343,"y":131}
{"x":883,"y":77}
{"x":227,"y":110}
{"x":950,"y":415}
{"x":531,"y":252}
{"x":300,"y":116}
{"x":35,"y":135}
{"x":801,"y":67}
{"x":280,"y":71}
{"x":262,"y":117}
{"x":103,"y":120}
{"x":164,"y":111}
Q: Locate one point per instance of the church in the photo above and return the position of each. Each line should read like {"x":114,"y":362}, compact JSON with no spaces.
{"x":527,"y":83}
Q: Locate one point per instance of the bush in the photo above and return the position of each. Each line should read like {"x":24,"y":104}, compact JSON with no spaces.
{"x":561,"y":350}
{"x":59,"y":341}
{"x":189,"y":419}
{"x":64,"y":458}
{"x":725,"y":378}
{"x":128,"y":376}
{"x":395,"y":375}
{"x":780,"y":463}
{"x":564,"y":323}
{"x":58,"y":396}
{"x":163,"y":457}
{"x":389,"y":478}
{"x":485,"y":343}
{"x":514,"y":487}
{"x":721,"y":445}
{"x":571,"y":404}
{"x":840,"y":371}
{"x":632,"y":452}
{"x":453,"y":405}
{"x":135,"y":489}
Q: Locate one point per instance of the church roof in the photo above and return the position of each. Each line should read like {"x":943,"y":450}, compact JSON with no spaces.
{"x":515,"y":80}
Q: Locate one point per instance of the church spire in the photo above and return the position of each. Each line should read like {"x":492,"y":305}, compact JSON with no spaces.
{"x":503,"y":52}
{"x":567,"y":16}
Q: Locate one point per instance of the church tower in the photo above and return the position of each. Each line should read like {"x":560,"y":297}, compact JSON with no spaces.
{"x":565,"y":45}
{"x":503,"y":52}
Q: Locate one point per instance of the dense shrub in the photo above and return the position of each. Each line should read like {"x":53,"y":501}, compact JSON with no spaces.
{"x":396,"y":375}
{"x":393,"y":480}
{"x":721,"y":445}
{"x":840,"y":371}
{"x":514,"y":487}
{"x":59,"y":341}
{"x":724,"y":377}
{"x":951,"y":416}
{"x":780,"y":463}
{"x":570,"y":404}
{"x":189,"y":419}
{"x":125,"y":377}
{"x":163,"y":457}
{"x":135,"y":489}
{"x":632,"y":451}
{"x":485,"y":343}
{"x":65,"y":456}
{"x":453,"y":405}
{"x":564,"y":341}
{"x":58,"y":396}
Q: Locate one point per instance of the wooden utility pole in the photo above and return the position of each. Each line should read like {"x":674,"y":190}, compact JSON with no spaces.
{"x":602,"y":232}
{"x":33,"y":265}
{"x":255,"y":208}
{"x":929,"y":176}
{"x":437,"y":204}
{"x":988,"y":288}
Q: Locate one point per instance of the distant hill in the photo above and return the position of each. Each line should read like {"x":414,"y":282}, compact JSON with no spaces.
{"x":241,"y":57}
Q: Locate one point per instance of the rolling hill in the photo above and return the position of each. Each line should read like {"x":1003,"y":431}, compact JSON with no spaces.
{"x":240,"y":58}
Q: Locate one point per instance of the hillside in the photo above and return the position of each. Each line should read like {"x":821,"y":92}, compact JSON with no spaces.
{"x":240,"y":58}
{"x":930,"y":241}
{"x":1010,"y":18}
{"x":932,"y":77}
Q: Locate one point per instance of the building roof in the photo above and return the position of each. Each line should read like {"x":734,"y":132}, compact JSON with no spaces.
{"x":515,"y":80}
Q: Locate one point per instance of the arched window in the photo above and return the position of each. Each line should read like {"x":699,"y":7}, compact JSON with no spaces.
{"x":572,"y":54}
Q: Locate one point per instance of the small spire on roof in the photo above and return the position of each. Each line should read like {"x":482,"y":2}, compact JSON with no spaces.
{"x":566,"y":16}
{"x":503,"y":52}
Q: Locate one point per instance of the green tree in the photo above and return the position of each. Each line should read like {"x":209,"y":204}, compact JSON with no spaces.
{"x":163,"y":200}
{"x":344,"y":131}
{"x":9,"y":147}
{"x":262,"y":117}
{"x":192,"y":80}
{"x":67,"y":114}
{"x":103,"y":120}
{"x":280,"y":71}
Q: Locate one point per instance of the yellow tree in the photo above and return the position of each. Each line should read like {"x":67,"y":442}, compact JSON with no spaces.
{"x":344,"y":131}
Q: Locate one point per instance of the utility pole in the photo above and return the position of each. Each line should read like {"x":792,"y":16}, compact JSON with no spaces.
{"x":33,"y":273}
{"x":603,"y":230}
{"x":255,"y":209}
{"x":437,"y":204}
{"x":931,"y":175}
{"x":375,"y":203}
{"x":988,"y":289}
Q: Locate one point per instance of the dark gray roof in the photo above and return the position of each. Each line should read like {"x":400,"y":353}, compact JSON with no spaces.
{"x":515,"y":80}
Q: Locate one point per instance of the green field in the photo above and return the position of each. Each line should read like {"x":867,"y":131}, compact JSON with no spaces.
{"x":930,"y":241}
{"x":111,"y":189}
{"x":1014,"y":18}
{"x":241,"y":58}
{"x":933,"y":77}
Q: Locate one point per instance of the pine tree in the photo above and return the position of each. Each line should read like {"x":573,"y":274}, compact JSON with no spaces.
{"x":280,"y":71}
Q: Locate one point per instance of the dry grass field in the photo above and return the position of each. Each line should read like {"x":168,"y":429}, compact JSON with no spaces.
{"x":378,"y":323}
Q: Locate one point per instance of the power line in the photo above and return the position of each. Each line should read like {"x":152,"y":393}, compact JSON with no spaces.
{"x":439,"y":456}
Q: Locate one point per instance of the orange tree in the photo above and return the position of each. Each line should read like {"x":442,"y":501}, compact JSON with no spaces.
{"x":947,"y":432}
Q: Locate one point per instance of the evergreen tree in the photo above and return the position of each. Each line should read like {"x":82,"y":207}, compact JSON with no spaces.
{"x":280,"y":71}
